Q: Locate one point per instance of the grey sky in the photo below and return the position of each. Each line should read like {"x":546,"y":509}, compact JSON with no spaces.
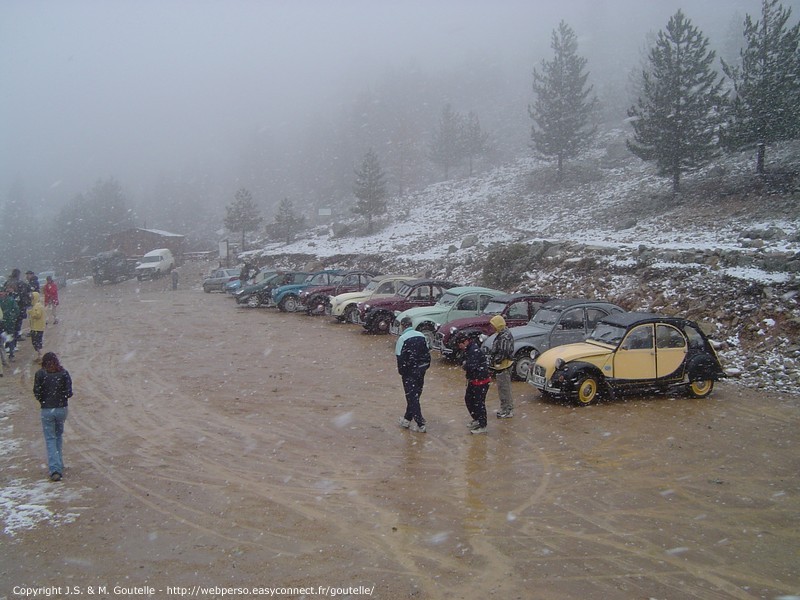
{"x":125,"y":88}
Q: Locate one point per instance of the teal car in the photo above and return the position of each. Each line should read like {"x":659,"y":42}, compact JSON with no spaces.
{"x":287,"y":297}
{"x":455,"y":303}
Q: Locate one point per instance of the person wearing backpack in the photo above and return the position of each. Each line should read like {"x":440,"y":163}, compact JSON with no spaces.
{"x":413,"y":360}
{"x":502,"y":357}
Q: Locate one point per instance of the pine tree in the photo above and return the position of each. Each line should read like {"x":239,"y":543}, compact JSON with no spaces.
{"x":447,"y":146}
{"x":765,"y":105}
{"x":370,"y":189}
{"x":287,"y":220}
{"x":564,"y":105}
{"x":242,"y":215}
{"x":676,"y":120}
{"x":475,"y":141}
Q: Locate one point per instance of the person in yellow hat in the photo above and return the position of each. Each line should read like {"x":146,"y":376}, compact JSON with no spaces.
{"x":501,"y":359}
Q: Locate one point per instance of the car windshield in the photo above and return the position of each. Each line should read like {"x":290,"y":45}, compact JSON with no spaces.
{"x":494,"y":308}
{"x":607,"y":334}
{"x":447,"y":299}
{"x":546,"y":318}
{"x":151,"y":259}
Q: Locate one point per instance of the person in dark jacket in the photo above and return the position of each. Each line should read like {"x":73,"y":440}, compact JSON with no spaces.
{"x":476,"y":367}
{"x":413,"y":360}
{"x":52,"y":387}
{"x":33,"y":281}
{"x":21,"y":292}
{"x":8,"y":325}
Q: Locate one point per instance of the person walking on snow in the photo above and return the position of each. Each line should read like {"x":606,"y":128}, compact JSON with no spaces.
{"x":51,"y":297}
{"x":413,"y":360}
{"x":52,"y":387}
{"x":477,"y":371}
{"x":36,"y":319}
{"x":501,"y":359}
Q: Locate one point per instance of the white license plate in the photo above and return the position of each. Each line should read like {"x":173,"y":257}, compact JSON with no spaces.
{"x":538,"y":380}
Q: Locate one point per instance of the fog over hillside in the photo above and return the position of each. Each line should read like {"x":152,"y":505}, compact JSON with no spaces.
{"x":280,"y":96}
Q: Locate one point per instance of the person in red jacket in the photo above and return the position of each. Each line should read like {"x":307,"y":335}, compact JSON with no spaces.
{"x":51,"y":297}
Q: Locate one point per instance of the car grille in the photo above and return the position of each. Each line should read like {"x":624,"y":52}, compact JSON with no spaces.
{"x":394,"y":328}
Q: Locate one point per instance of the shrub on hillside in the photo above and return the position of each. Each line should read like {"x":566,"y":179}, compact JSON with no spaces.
{"x":505,"y":265}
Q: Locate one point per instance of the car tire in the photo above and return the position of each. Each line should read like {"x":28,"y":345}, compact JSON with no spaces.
{"x":254,"y":301}
{"x":350,"y":314}
{"x":588,"y":390}
{"x":289,"y":304}
{"x":700,"y":388}
{"x":522,"y":363}
{"x":428,"y":332}
{"x":380,"y":323}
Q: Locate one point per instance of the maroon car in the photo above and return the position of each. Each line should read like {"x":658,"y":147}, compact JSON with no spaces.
{"x":376,"y":316}
{"x":316,"y":299}
{"x":516,"y":309}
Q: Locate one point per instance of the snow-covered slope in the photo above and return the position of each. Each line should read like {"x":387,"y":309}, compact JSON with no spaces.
{"x":725,"y":251}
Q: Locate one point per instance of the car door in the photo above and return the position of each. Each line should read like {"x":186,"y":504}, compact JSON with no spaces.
{"x":671,"y":350}
{"x":466,"y":306}
{"x":635,"y":358}
{"x":421,"y":296}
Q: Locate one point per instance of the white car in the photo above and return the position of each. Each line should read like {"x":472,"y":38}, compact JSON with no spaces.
{"x":154,"y":264}
{"x":344,"y":307}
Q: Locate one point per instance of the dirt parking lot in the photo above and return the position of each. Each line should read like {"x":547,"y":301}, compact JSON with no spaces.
{"x":215,"y":446}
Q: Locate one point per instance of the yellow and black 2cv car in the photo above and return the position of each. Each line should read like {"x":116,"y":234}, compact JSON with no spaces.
{"x":630,"y":352}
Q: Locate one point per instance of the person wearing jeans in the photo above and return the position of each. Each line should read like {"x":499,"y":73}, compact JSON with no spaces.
{"x":52,"y":387}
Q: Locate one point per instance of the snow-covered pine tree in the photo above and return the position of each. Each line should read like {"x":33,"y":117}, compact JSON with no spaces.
{"x":242,"y":215}
{"x":563,"y":107}
{"x":370,"y":189}
{"x":765,"y":103}
{"x":676,"y":120}
{"x":447,"y":146}
{"x":287,"y":221}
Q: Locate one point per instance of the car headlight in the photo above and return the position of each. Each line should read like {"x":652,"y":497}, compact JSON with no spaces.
{"x":453,"y":330}
{"x":559,"y":363}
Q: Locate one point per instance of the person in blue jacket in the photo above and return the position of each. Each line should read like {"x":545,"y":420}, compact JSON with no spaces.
{"x":413,"y":360}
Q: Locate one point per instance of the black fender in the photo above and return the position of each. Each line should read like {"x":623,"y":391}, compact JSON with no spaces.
{"x":574,"y":371}
{"x":702,"y":367}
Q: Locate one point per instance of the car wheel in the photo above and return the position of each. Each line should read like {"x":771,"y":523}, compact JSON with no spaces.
{"x":289,"y":304}
{"x":381,"y":323}
{"x":428,"y":332}
{"x":700,"y":388}
{"x":522,"y":364}
{"x":350,"y":314}
{"x":588,"y":390}
{"x":206,"y":290}
{"x":254,"y":301}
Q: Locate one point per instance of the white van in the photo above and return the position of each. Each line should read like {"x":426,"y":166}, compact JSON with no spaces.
{"x":154,"y":264}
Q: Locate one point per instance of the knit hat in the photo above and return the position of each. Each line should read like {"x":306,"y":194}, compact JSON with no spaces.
{"x":498,"y":322}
